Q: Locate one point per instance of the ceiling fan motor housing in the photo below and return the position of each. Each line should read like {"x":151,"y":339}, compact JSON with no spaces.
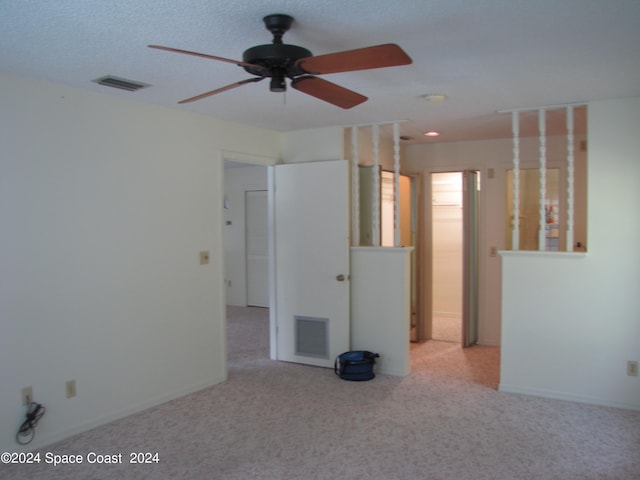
{"x":276,"y":59}
{"x":274,"y":55}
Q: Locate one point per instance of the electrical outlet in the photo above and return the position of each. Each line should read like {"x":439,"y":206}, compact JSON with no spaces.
{"x":71,"y":388}
{"x":632,"y":368}
{"x":27,"y":395}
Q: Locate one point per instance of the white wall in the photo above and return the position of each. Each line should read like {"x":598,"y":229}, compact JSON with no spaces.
{"x":312,"y":145}
{"x":237,"y":181}
{"x":380,"y":305}
{"x":104,"y":208}
{"x":570,"y":324}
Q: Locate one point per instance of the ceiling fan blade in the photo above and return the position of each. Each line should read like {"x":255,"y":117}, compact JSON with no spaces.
{"x":328,"y":91}
{"x":379,"y":56}
{"x":220,"y":90}
{"x":204,"y":55}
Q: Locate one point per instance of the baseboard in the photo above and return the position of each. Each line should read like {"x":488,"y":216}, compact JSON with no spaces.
{"x":488,"y":342}
{"x":555,"y":395}
{"x":448,"y":315}
{"x":393,"y":372}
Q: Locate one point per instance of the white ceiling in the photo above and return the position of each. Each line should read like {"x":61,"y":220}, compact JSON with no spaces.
{"x":485,"y":55}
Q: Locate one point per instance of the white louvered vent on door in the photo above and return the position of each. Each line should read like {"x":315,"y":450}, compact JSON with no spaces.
{"x":312,"y":336}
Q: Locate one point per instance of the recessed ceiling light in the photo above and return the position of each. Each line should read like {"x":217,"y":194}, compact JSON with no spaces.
{"x":434,"y":97}
{"x":431,"y":134}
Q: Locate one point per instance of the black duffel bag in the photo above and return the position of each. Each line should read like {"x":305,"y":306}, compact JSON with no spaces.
{"x":356,"y":365}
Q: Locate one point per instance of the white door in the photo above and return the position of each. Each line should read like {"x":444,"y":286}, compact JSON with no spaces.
{"x":311,"y":264}
{"x":257,"y":235}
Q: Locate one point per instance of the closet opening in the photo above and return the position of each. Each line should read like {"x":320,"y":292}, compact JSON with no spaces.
{"x":446,"y":235}
{"x":454,"y":257}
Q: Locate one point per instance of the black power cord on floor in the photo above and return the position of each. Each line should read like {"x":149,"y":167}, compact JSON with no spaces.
{"x":27,"y":431}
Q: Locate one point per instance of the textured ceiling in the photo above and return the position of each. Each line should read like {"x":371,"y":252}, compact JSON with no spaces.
{"x":484,"y":55}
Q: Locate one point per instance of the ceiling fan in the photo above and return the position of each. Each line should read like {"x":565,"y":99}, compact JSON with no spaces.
{"x":279,"y":61}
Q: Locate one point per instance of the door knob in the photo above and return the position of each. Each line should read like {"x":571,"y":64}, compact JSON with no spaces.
{"x":340,"y":278}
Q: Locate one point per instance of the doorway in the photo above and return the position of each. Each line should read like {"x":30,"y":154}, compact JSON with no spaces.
{"x":246,"y":234}
{"x":244,"y":182}
{"x":446,"y":220}
{"x":452,"y":232}
{"x":251,"y":251}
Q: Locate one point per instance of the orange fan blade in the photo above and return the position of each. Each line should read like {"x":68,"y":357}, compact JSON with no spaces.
{"x":379,"y":56}
{"x":327,"y":91}
{"x":204,"y":55}
{"x":221,"y":89}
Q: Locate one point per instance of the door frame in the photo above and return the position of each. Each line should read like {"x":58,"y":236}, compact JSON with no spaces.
{"x":470,"y":257}
{"x":254,"y":161}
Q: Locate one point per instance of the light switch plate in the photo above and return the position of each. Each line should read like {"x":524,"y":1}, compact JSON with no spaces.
{"x":204,"y":258}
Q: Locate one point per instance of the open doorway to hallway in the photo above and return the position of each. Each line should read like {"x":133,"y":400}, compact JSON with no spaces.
{"x":246,"y":256}
{"x":246,"y":234}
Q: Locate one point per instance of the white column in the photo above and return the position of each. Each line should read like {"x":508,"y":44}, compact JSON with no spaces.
{"x":515,"y":232}
{"x":570,"y":179}
{"x":543,"y":179}
{"x":396,"y":185}
{"x":375,"y":204}
{"x":355,"y":189}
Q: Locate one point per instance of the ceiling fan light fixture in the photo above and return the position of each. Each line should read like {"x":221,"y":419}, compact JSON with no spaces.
{"x":278,"y":83}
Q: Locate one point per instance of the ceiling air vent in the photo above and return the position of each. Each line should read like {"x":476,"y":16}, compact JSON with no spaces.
{"x":121,"y":83}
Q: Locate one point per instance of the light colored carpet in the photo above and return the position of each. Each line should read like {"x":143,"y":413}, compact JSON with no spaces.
{"x":445,"y":421}
{"x":447,"y":329}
